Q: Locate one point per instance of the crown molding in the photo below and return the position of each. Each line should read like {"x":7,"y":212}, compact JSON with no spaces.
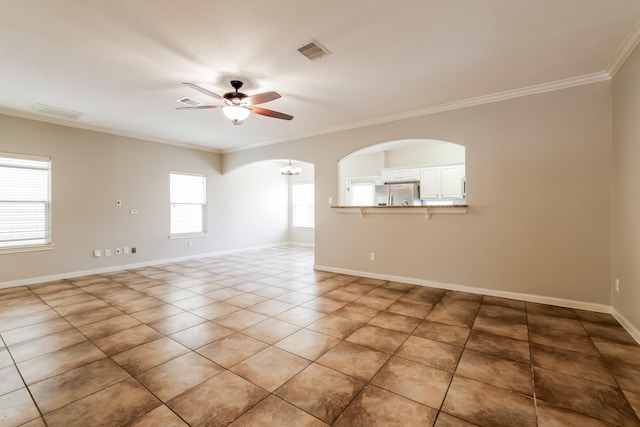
{"x":456,"y":105}
{"x":625,"y":51}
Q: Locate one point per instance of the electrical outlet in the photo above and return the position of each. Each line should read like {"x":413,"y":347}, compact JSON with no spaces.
{"x":118,"y":251}
{"x":118,"y":203}
{"x":372,"y":256}
{"x":190,"y":244}
{"x":107,"y":252}
{"x":617,"y":285}
{"x":125,"y":250}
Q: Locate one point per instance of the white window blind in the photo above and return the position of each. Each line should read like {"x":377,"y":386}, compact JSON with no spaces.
{"x":302,"y":205}
{"x":362,"y":191}
{"x":25,"y":201}
{"x":188,"y":199}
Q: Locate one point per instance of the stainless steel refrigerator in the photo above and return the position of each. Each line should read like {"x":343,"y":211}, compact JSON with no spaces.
{"x":403,"y":194}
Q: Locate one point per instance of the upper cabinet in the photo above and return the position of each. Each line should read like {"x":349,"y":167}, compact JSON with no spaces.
{"x":398,"y":175}
{"x":442,"y":182}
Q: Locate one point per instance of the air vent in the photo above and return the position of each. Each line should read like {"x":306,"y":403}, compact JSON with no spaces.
{"x":58,"y":112}
{"x":313,"y":50}
{"x":188,"y":101}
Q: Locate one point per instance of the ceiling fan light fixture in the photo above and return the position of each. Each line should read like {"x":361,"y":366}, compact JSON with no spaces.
{"x":290,"y":170}
{"x":236,"y":113}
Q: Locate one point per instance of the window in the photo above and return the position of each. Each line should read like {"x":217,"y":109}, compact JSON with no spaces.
{"x":302,"y":205}
{"x":187,"y":194}
{"x":25,"y":202}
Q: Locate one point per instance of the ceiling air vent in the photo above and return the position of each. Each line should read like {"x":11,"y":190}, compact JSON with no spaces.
{"x":189,"y":102}
{"x":58,"y":112}
{"x":313,"y":50}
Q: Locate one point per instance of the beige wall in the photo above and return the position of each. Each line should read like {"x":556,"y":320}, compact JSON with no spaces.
{"x":90,"y":170}
{"x":626,"y":190}
{"x":538,"y":179}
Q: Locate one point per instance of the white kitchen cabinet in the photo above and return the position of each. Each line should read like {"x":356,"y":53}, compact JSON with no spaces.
{"x":398,"y":175}
{"x":442,"y":182}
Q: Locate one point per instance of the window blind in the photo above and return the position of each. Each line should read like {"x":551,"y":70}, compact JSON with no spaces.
{"x":188,"y":201}
{"x":25,"y":201}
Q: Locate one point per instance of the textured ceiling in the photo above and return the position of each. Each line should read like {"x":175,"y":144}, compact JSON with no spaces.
{"x":121,"y":63}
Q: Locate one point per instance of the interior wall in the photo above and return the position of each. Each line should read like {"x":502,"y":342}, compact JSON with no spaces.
{"x":432,"y":154}
{"x":91,"y":170}
{"x":626,"y":192}
{"x":538,"y":184}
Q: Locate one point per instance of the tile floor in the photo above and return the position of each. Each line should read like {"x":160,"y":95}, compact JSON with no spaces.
{"x":260,"y":339}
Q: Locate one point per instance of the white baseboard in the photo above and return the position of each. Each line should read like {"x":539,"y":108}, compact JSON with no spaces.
{"x":79,"y":273}
{"x":581,"y":305}
{"x":633,"y":331}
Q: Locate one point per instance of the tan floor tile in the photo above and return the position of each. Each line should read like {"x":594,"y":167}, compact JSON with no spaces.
{"x":485,"y":405}
{"x":17,"y":408}
{"x":231,"y":349}
{"x":627,"y":376}
{"x":454,"y":313}
{"x":114,"y":405}
{"x":138,"y":305}
{"x":571,"y":363}
{"x":175,"y":295}
{"x":201,"y":335}
{"x":550,"y":310}
{"x":58,"y":391}
{"x":414,"y":381}
{"x":507,"y":314}
{"x":372,"y":301}
{"x":37,"y":330}
{"x":378,"y":338}
{"x":395,"y":322}
{"x":446,"y":420}
{"x":160,"y":416}
{"x":240,"y":319}
{"x":78,"y":296}
{"x":419,"y":311}
{"x":294,"y":297}
{"x":246,"y":300}
{"x":354,"y":360}
{"x":5,"y":358}
{"x":67,"y":310}
{"x":324,"y":305}
{"x":270,"y":307}
{"x":608,"y":332}
{"x":454,"y":335}
{"x":149,"y":355}
{"x":193,"y":302}
{"x":271,"y":330}
{"x":274,"y":411}
{"x":126,"y":339}
{"x":504,"y":302}
{"x":92,"y":316}
{"x":497,"y":345}
{"x":46,"y":344}
{"x":175,"y":323}
{"x":108,"y":326}
{"x":270,"y":368}
{"x":431,"y":353}
{"x":357,"y":312}
{"x":300,"y":316}
{"x":571,"y":342}
{"x":634,"y":400}
{"x":592,"y":316}
{"x":497,"y":326}
{"x":617,"y":352}
{"x":224,"y":294}
{"x":38,"y":422}
{"x":10,"y":380}
{"x":215,"y":310}
{"x":178,"y":375}
{"x":590,"y":398}
{"x":11,"y":321}
{"x":52,"y":364}
{"x":335,"y":326}
{"x":550,"y":416}
{"x":320,"y":391}
{"x":559,"y":324}
{"x":375,"y":406}
{"x":502,"y":373}
{"x":308,"y":344}
{"x":154,"y":313}
{"x":205,"y":405}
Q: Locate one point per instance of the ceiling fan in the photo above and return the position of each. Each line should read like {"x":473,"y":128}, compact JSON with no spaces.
{"x":238,"y":105}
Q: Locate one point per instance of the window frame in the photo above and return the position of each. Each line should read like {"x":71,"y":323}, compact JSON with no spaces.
{"x":292,"y":206}
{"x":363,"y":181}
{"x":48,"y":244}
{"x":204,"y":206}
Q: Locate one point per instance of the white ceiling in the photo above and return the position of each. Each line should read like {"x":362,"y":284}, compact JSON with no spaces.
{"x":122,"y":62}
